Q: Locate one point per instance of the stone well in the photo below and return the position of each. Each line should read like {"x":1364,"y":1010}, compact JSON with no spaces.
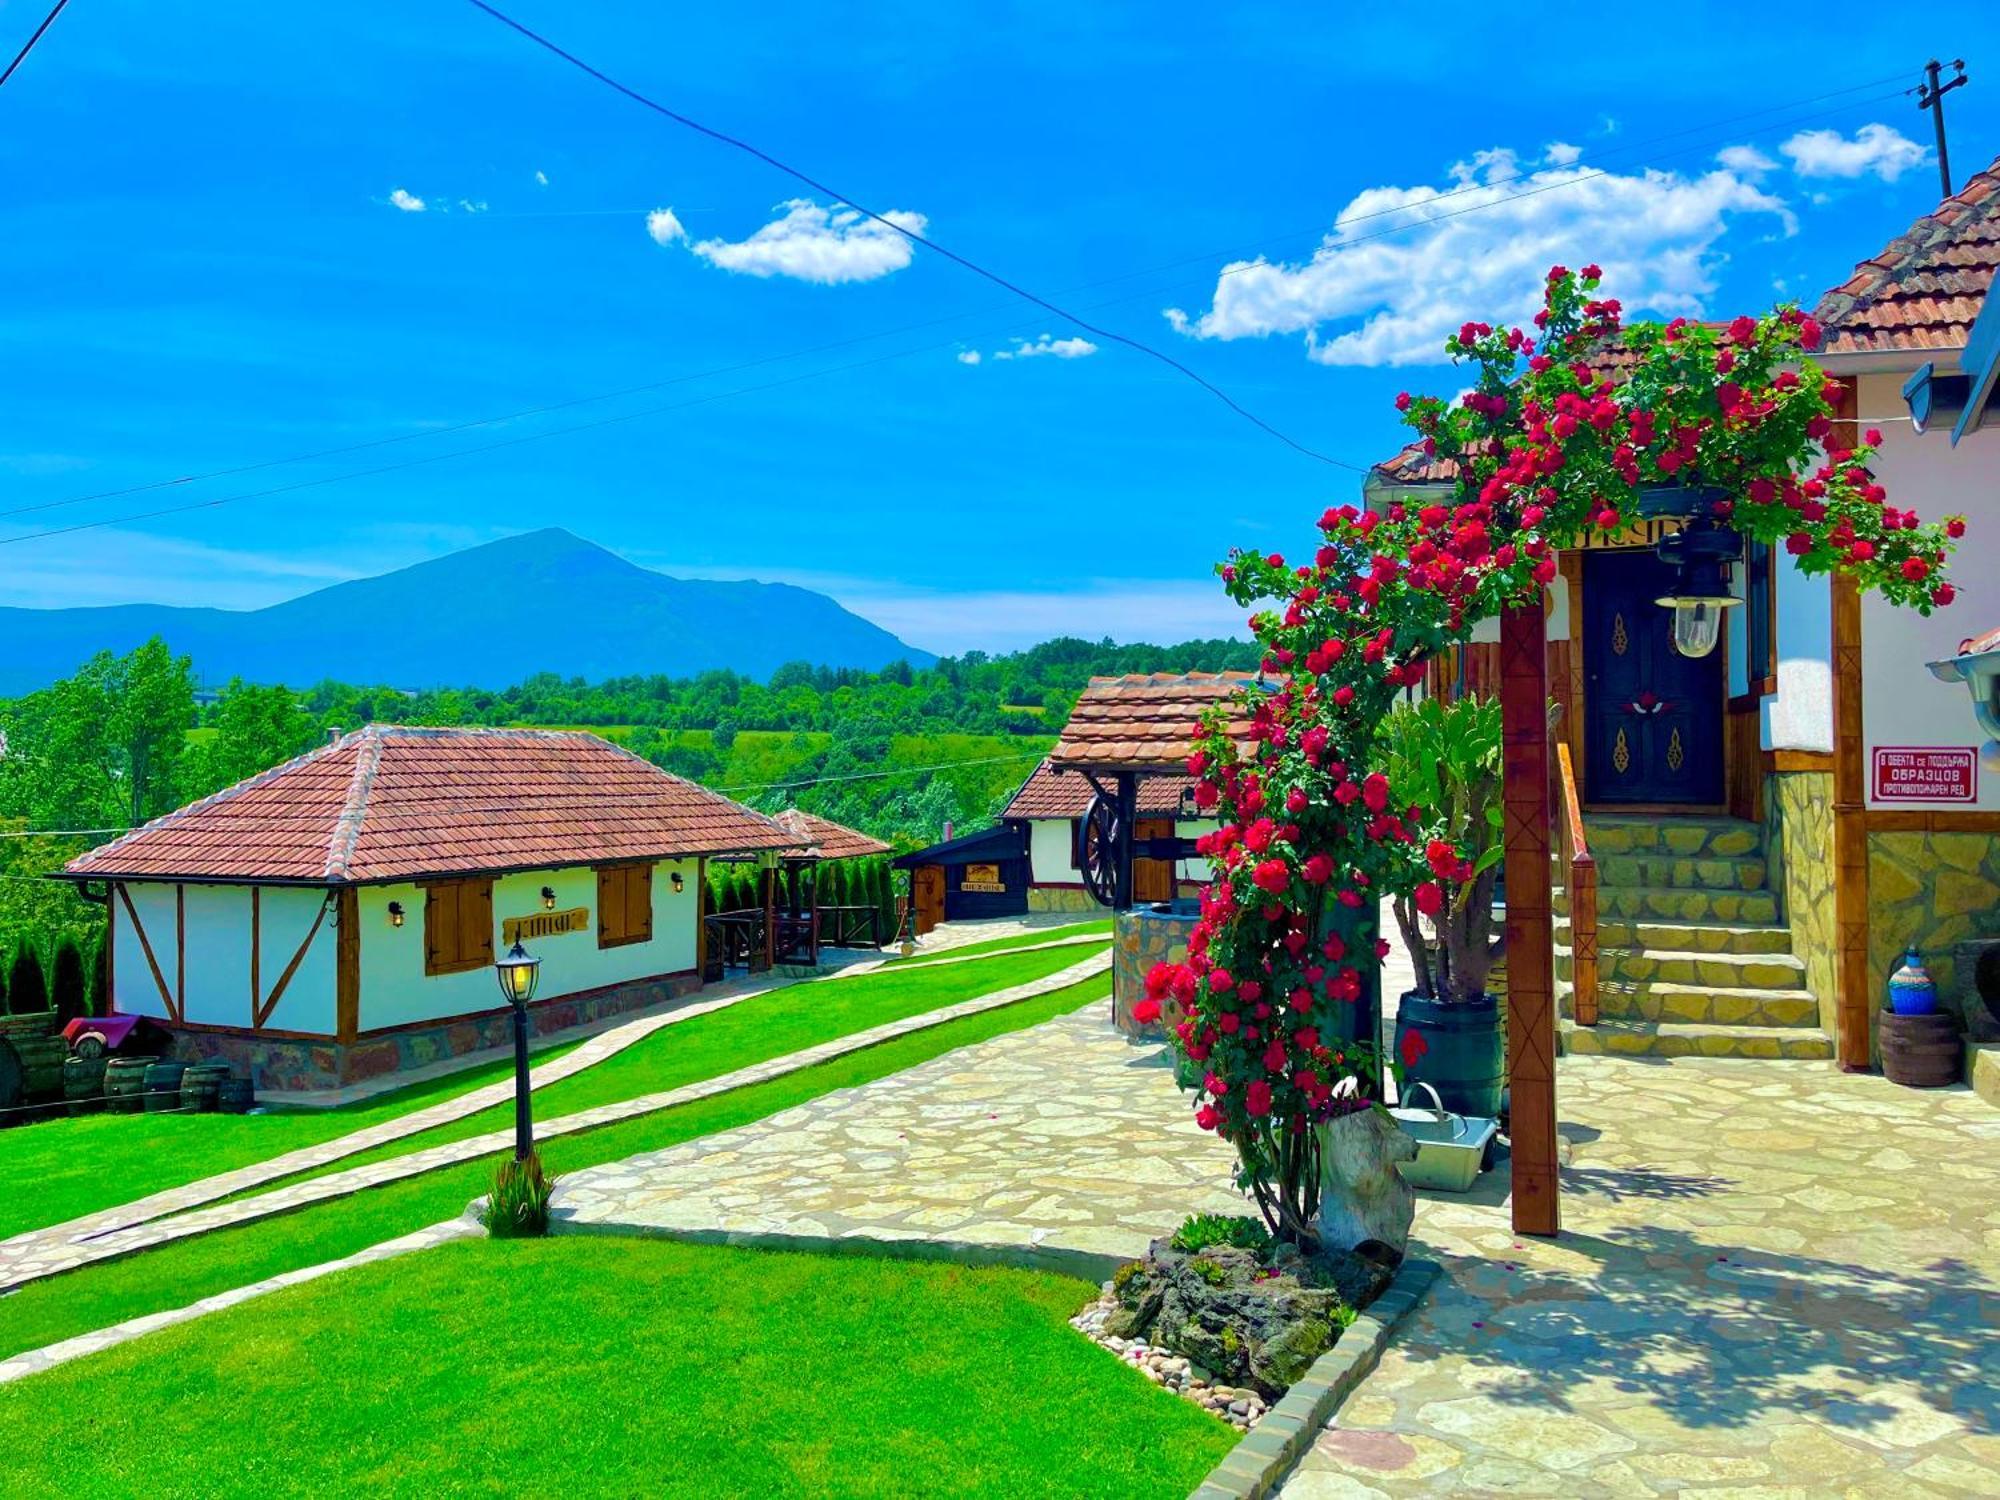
{"x":1146,"y":935}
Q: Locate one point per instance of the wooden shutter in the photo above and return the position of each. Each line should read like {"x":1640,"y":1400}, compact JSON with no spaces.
{"x":458,"y":926}
{"x":624,"y":905}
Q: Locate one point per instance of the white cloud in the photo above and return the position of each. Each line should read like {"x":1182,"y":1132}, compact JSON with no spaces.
{"x":1561,"y":153}
{"x":1876,"y":149}
{"x":473,"y":205}
{"x":1745,"y":161}
{"x":407,"y":201}
{"x":1366,"y":298}
{"x":541,"y":179}
{"x":1048,"y":347}
{"x":664,"y":227}
{"x":823,"y":245}
{"x":969,"y":356}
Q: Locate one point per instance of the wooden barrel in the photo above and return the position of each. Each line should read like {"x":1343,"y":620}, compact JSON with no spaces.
{"x":200,"y":1085}
{"x":41,"y":1065}
{"x":163,"y":1085}
{"x":1922,"y":1052}
{"x":33,"y":1023}
{"x":83,"y":1083}
{"x":125,"y":1084}
{"x":234,"y":1096}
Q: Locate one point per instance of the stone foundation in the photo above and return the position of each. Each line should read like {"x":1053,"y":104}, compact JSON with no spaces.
{"x":1140,"y":938}
{"x":305,"y":1064}
{"x":1061,"y":898}
{"x":1934,"y":890}
{"x":1798,"y":848}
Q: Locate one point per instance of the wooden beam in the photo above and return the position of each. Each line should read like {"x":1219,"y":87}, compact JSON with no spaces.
{"x":256,"y":953}
{"x":180,"y":953}
{"x":1531,"y":1021}
{"x":701,"y":920}
{"x":1850,"y":809}
{"x":347,"y":964}
{"x":770,"y":916}
{"x":285,"y":979}
{"x":146,"y":947}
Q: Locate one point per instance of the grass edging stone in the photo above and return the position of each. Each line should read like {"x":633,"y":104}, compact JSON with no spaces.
{"x":1268,"y":1451}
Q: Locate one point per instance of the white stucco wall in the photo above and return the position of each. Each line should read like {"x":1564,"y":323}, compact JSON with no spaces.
{"x":1049,"y":853}
{"x":1902,"y":704}
{"x":216,"y":970}
{"x":395,"y":991}
{"x":1799,"y":716}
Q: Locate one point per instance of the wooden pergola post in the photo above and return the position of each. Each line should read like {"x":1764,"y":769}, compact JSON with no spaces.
{"x":770,"y":881}
{"x":1531,"y":1009}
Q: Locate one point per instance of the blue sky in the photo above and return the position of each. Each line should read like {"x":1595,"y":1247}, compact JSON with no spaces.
{"x":213,"y":257}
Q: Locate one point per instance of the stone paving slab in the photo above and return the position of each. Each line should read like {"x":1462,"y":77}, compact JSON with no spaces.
{"x":1774,"y":1282}
{"x":1064,"y":1145}
{"x":51,"y":1257}
{"x":36,"y":1246}
{"x":34,"y":1361}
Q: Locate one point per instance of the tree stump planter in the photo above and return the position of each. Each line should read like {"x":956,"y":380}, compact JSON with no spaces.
{"x":1922,"y":1052}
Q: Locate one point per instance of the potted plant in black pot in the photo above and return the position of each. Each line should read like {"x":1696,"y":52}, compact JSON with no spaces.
{"x":1443,"y":759}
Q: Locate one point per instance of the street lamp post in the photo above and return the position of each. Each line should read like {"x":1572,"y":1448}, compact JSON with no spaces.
{"x":517,"y":972}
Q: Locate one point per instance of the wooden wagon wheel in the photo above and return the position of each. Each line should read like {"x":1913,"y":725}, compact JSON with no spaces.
{"x":1098,"y":856}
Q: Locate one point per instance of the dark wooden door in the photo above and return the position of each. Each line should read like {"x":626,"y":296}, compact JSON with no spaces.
{"x":927,"y":883}
{"x":1153,"y":879}
{"x":1652,"y":717}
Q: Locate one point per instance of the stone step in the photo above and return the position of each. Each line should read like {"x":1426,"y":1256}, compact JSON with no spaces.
{"x":1631,"y":833}
{"x":1680,"y":905}
{"x":1737,"y":872}
{"x":1741,"y":971}
{"x":1710,"y":1005}
{"x":1686,"y":937}
{"x":1672,"y":1039}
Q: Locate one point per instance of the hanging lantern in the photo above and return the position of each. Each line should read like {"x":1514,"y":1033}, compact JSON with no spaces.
{"x":1701,"y":593}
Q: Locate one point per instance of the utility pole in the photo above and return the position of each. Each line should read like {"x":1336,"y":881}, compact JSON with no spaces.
{"x":1930,"y":96}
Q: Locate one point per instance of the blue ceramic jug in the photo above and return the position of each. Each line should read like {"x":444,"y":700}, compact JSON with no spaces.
{"x":1912,"y":992}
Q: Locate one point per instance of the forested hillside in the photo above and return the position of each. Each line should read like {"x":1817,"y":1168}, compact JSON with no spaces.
{"x":898,"y":753}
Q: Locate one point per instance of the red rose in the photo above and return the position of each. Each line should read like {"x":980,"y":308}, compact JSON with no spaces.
{"x":1916,"y":569}
{"x":1257,"y":1098}
{"x":1414,"y":1047}
{"x":1319,"y":869}
{"x":1798,"y":544}
{"x":1943,"y":594}
{"x":1429,"y":898}
{"x":1272,"y":876}
{"x":1208,"y":1117}
{"x":1955,"y":526}
{"x":1146,"y":1011}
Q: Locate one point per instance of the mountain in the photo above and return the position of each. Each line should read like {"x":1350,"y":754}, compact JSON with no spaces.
{"x":485,"y":617}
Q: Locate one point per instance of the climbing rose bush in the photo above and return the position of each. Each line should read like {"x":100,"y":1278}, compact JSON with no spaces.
{"x":1548,"y":448}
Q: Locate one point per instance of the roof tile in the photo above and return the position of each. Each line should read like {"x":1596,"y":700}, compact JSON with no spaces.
{"x":1145,"y":722}
{"x":1049,"y":793}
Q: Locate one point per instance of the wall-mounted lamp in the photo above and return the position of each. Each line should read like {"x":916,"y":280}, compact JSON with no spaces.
{"x":1702,"y":553}
{"x":677,"y":882}
{"x":395,"y":914}
{"x":548,"y":898}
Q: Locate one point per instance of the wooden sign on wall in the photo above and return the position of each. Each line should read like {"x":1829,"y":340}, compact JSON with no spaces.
{"x":983,"y":878}
{"x":544,"y":924}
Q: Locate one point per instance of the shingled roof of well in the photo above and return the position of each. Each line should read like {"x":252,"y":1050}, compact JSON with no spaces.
{"x":1052,"y":794}
{"x":1928,"y":284}
{"x":1146,"y":722}
{"x":394,"y":803}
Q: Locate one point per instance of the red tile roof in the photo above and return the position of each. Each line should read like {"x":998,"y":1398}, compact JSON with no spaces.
{"x":827,"y":839}
{"x":1927,"y":286}
{"x":1052,"y":794}
{"x":1145,"y":722}
{"x":395,"y":803}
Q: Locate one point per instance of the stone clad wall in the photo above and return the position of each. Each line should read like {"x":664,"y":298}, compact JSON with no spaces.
{"x":1061,"y":898}
{"x":1931,"y":889}
{"x":1141,"y":938}
{"x":1798,"y":819}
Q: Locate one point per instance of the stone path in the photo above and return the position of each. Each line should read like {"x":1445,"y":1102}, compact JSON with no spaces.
{"x":1064,"y":1145}
{"x":1775,"y":1282}
{"x":49,"y":1257}
{"x":36,"y":1246}
{"x":47,"y":1357}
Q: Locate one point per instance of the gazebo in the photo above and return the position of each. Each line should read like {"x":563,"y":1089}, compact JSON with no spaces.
{"x":792,"y":930}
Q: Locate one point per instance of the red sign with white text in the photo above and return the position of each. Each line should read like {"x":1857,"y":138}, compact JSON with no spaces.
{"x":1925,"y":773}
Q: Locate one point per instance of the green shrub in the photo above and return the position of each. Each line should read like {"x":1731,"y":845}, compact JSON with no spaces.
{"x":69,"y":989}
{"x":27,"y":990}
{"x":518,"y":1205}
{"x":1208,"y":1270}
{"x":1204,"y":1231}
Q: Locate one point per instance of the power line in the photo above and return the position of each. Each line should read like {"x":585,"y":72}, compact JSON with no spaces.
{"x":918,"y":240}
{"x":1410,"y":224}
{"x":29,"y":46}
{"x":56,"y":833}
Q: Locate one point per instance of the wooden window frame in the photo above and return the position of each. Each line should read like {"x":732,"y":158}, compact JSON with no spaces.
{"x":458,"y":957}
{"x":616,"y":879}
{"x":1761,"y":677}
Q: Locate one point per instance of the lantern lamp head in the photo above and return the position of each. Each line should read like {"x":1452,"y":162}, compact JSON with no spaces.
{"x":548,"y":898}
{"x":517,"y":972}
{"x":677,"y":881}
{"x":1701,"y":592}
{"x":395,"y":914}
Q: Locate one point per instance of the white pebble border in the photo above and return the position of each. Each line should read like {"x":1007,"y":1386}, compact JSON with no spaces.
{"x":1239,"y":1407}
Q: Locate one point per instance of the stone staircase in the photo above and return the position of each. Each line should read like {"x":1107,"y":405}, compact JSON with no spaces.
{"x":1692,"y":958}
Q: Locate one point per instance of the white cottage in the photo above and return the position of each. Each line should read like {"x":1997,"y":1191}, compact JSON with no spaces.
{"x":337,"y":917}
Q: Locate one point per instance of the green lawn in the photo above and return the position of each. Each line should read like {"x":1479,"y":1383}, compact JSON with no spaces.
{"x":60,"y":1307}
{"x":62,"y":1168}
{"x":1002,"y":945}
{"x":613,"y":1366}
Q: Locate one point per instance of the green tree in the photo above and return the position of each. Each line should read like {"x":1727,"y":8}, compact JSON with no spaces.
{"x":27,"y":990}
{"x":256,"y":728}
{"x":69,"y":989}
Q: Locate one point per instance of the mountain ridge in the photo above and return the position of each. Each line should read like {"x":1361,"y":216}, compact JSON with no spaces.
{"x":485,"y":616}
